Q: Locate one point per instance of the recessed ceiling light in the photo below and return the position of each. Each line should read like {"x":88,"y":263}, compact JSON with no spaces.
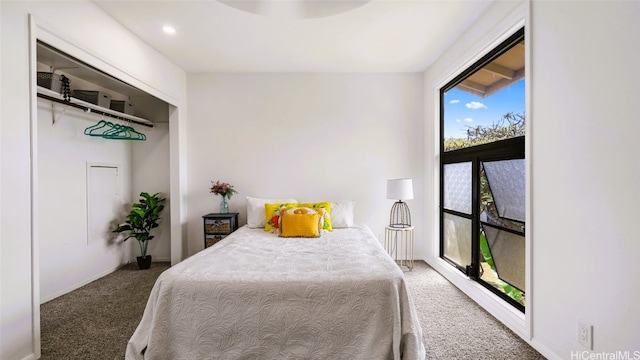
{"x":169,"y":29}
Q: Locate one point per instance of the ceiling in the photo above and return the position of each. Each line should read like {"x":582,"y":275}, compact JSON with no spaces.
{"x":316,"y":36}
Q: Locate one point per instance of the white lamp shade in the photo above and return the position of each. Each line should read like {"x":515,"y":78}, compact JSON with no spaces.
{"x":400,"y":189}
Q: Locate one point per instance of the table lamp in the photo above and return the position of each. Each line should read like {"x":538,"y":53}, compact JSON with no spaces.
{"x":400,"y":189}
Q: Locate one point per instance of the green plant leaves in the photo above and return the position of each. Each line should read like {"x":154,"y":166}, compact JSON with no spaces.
{"x":143,"y":217}
{"x":509,"y":290}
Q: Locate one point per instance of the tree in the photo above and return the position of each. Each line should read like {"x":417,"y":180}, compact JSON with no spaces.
{"x":509,"y":126}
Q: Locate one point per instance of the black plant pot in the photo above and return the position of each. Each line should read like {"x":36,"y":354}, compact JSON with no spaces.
{"x":144,"y":262}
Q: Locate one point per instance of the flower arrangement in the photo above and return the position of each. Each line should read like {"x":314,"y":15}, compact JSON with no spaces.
{"x":223,"y":189}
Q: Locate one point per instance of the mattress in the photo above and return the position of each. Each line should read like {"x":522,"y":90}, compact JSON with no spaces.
{"x":255,"y":295}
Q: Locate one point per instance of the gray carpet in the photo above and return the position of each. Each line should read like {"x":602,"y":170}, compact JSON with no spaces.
{"x":455,"y":327}
{"x":96,"y":321}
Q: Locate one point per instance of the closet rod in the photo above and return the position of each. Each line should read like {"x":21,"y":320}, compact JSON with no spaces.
{"x":93,"y":110}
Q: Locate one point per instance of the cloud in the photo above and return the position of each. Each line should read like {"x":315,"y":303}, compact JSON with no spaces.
{"x":475,"y":105}
{"x":458,"y":120}
{"x":455,"y":101}
{"x":468,"y":120}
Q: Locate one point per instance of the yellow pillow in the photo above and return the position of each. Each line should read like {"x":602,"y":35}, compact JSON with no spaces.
{"x":272,"y":215}
{"x":326,"y":217}
{"x":307,"y":210}
{"x":299,"y":225}
{"x":301,"y":210}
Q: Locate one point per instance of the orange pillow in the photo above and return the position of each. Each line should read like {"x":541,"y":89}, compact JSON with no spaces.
{"x":299,"y":225}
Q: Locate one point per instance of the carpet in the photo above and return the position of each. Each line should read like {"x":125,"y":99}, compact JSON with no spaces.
{"x":96,"y":321}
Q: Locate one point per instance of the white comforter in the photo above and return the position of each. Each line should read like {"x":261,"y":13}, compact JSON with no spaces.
{"x":257,"y":296}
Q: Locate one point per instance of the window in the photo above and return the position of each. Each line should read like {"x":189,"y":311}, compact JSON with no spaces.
{"x":482,"y":191}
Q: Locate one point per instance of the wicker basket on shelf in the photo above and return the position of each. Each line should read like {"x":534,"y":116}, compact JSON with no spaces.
{"x":218,"y":227}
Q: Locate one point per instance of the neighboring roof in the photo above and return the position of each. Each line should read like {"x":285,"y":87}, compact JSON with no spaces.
{"x":503,"y":71}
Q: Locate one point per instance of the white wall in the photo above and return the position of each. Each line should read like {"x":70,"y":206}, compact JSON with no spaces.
{"x":314,"y":137}
{"x":584,"y":184}
{"x":68,"y":259}
{"x":16,"y":325}
{"x":151,"y":174}
{"x":63,"y":21}
{"x":585,"y":175}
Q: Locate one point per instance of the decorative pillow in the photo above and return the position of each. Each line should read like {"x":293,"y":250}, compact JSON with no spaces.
{"x":342,"y":214}
{"x":272,"y":214}
{"x":307,"y":210}
{"x":326,"y":220}
{"x":255,"y":210}
{"x":300,"y":225}
{"x":297,"y":209}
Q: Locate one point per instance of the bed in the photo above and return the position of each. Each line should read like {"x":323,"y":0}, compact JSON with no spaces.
{"x":256,"y":295}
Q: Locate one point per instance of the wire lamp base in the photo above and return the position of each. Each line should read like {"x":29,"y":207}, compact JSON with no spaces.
{"x":400,"y":216}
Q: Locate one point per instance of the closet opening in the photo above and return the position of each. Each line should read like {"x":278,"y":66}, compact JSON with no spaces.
{"x":98,"y":143}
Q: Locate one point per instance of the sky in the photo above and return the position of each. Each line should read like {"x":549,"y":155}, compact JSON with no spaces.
{"x":462,"y":109}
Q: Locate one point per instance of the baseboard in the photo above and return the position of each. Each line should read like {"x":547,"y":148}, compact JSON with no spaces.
{"x":31,"y":356}
{"x":544,"y":350}
{"x":79,"y":284}
{"x":162,"y":259}
{"x":153,"y":259}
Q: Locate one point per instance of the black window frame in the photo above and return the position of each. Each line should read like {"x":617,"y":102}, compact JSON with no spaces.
{"x":507,"y":149}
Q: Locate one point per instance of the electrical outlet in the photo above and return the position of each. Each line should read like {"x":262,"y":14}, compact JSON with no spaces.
{"x":585,"y":334}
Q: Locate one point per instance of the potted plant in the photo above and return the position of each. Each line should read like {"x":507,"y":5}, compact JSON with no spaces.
{"x":142,"y":218}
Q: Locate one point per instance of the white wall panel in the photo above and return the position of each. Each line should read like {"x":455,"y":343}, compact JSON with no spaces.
{"x":313,"y":137}
{"x":585,"y":178}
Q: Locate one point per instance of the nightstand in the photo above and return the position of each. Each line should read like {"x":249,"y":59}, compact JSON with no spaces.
{"x":399,"y":244}
{"x":218,"y":226}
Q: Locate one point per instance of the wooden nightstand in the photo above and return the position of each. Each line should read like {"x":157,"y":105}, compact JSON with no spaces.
{"x":218,"y":226}
{"x":399,"y":244}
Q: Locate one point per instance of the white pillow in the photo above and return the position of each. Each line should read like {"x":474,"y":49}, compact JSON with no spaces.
{"x":342,"y":214}
{"x":255,"y":210}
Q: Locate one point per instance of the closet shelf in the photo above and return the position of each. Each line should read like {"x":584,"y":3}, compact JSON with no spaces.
{"x":89,"y":107}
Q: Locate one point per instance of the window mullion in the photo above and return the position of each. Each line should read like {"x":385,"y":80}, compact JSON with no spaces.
{"x":473,"y":270}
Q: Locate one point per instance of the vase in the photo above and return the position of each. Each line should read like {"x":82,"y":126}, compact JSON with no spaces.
{"x":224,"y":205}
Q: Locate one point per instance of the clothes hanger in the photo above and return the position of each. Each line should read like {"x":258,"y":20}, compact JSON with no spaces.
{"x":114,"y":129}
{"x":123,"y":132}
{"x":92,"y":130}
{"x":136,"y":135}
{"x":109,"y":130}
